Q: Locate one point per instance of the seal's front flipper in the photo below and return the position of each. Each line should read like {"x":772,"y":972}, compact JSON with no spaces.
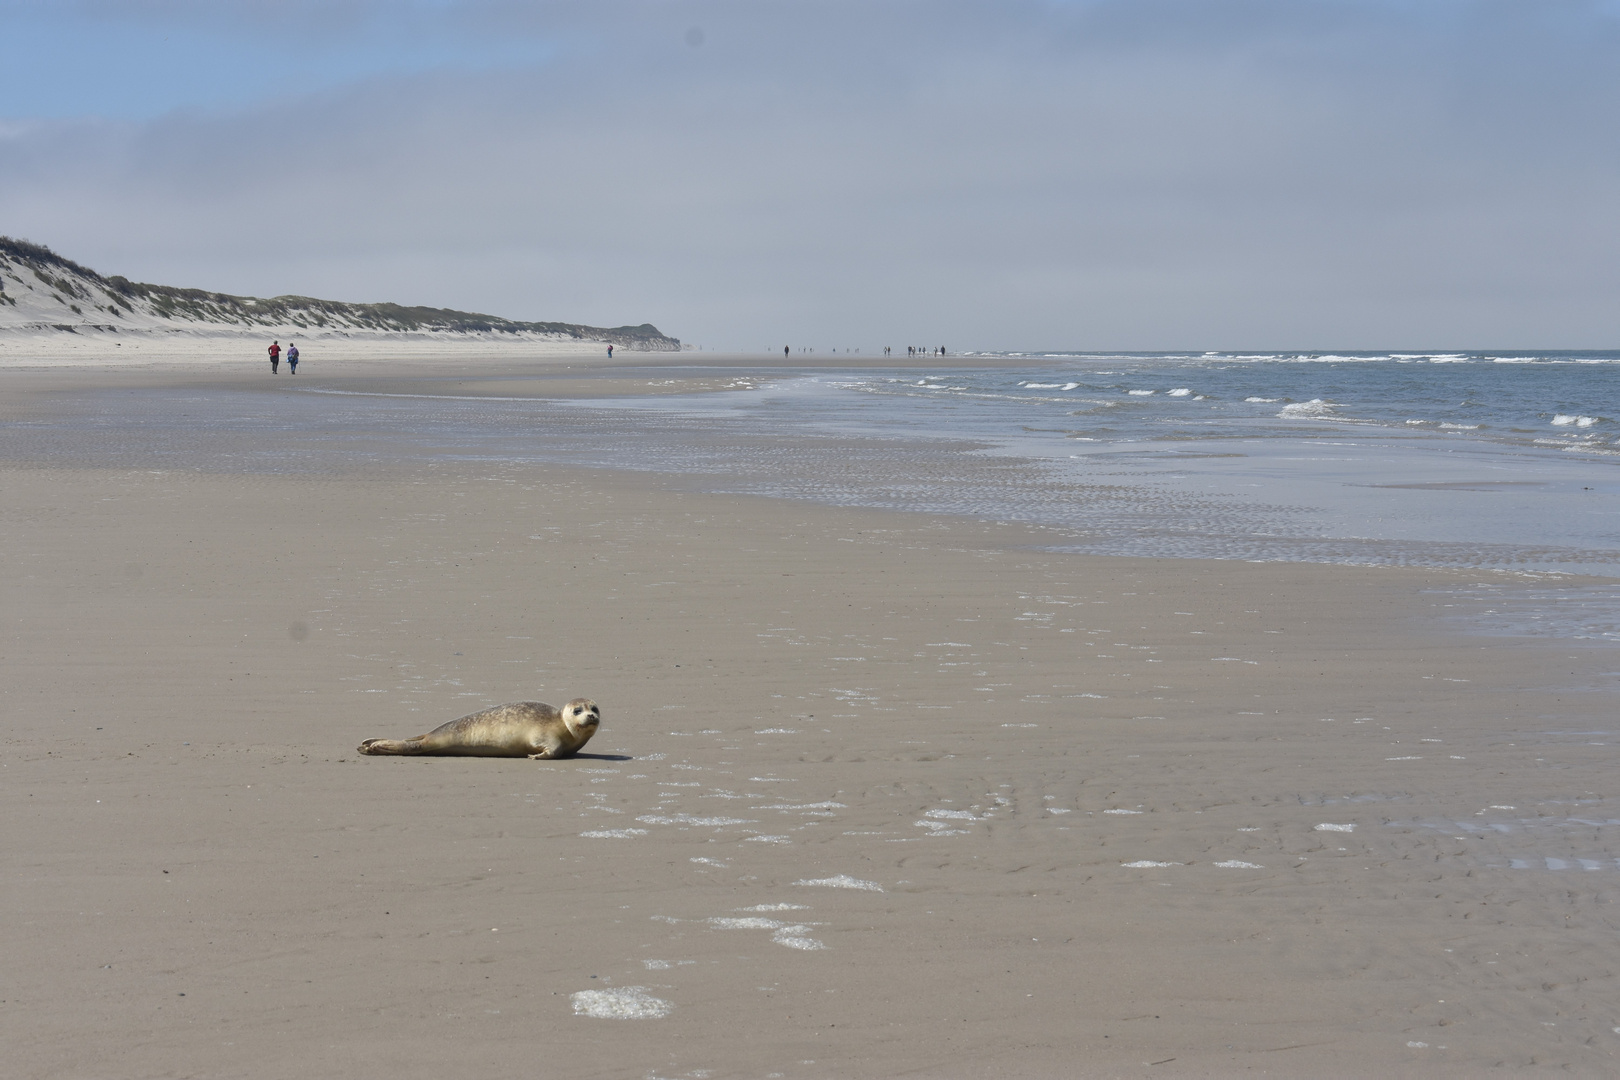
{"x":388,"y":746}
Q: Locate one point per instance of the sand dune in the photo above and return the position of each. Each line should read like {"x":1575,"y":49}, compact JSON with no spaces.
{"x":54,"y":311}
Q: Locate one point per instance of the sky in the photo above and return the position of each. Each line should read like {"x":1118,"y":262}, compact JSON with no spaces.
{"x":1013,"y":175}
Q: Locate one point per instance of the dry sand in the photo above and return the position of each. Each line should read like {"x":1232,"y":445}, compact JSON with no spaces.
{"x":875,"y":795}
{"x":210,"y":351}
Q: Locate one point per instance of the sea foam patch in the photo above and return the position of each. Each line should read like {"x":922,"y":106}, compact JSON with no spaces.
{"x":1328,"y":826}
{"x":614,"y":834}
{"x":794,"y":938}
{"x":724,"y":922}
{"x":625,"y":1003}
{"x":841,"y":881}
{"x":689,"y":819}
{"x":940,"y":828}
{"x":1239,"y":864}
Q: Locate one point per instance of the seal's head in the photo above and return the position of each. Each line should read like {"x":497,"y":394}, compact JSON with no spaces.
{"x":582,"y":716}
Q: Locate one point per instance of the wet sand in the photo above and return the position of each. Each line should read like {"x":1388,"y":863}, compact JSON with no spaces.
{"x":875,"y":794}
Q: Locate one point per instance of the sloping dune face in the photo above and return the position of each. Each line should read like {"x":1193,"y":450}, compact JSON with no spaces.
{"x":42,"y":292}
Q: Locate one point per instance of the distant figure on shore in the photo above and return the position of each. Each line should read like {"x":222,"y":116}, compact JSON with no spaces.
{"x":610,"y":352}
{"x":275,"y":357}
{"x":292,"y":358}
{"x":785,"y":350}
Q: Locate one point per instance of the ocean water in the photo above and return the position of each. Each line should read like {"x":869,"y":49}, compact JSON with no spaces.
{"x":1503,"y":463}
{"x":1567,"y":401}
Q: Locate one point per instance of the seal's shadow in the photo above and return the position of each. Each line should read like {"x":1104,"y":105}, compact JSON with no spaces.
{"x":604,"y":757}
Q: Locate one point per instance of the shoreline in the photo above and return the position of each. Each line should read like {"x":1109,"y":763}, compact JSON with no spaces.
{"x":1332,"y":495}
{"x":1089,"y":788}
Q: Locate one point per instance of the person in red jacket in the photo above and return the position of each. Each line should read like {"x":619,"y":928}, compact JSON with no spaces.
{"x":275,"y":356}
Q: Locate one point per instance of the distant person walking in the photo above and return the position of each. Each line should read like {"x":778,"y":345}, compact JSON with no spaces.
{"x":610,"y":352}
{"x":275,"y":357}
{"x":292,"y":358}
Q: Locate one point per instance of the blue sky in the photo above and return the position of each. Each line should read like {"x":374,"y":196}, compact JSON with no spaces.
{"x":1084,"y":174}
{"x":138,"y":61}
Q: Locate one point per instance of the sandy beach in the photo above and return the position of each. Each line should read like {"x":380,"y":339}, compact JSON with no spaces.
{"x":876,"y":794}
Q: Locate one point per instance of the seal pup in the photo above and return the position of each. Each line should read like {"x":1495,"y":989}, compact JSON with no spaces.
{"x":530,"y":729}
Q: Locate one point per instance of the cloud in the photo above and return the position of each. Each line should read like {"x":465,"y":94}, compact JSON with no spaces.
{"x":1153,"y":173}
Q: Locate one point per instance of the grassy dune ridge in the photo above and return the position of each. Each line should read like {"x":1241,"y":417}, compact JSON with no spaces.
{"x":41,"y":290}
